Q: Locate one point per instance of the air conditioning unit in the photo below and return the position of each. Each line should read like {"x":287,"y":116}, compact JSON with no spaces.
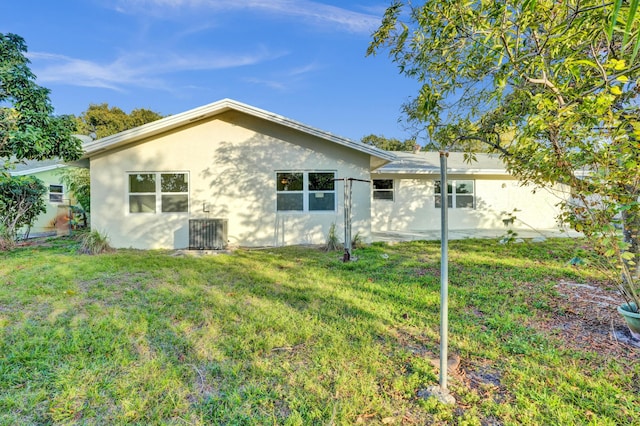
{"x":207,"y":234}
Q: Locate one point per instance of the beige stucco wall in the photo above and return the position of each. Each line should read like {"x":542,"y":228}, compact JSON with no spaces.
{"x":232,"y":161}
{"x":413,"y":208}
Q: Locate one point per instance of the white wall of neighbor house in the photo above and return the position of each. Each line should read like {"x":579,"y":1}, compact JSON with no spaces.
{"x":414,"y":209}
{"x":231,"y":162}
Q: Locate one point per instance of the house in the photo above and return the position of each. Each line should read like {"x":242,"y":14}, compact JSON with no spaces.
{"x":231,"y":173}
{"x":57,"y":199}
{"x":482,"y":195}
{"x":257,"y":178}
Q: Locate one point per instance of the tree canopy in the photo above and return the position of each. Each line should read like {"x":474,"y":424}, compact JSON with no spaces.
{"x":28,"y":131}
{"x":389,"y":144}
{"x":551,"y":86}
{"x":28,"y":128}
{"x":100,"y":120}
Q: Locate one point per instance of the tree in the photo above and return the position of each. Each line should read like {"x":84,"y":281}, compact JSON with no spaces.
{"x":100,"y":120}
{"x":551,"y":86}
{"x":392,"y":144}
{"x":28,"y":128}
{"x":28,"y":131}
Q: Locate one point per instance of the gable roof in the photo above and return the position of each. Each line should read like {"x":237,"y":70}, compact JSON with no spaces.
{"x":378,"y":156}
{"x":428,"y":163}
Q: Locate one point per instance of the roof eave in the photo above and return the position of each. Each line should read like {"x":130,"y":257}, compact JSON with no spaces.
{"x":34,"y":170}
{"x":216,"y":108}
{"x":417,"y":171}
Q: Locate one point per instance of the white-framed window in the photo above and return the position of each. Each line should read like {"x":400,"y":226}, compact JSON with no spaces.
{"x":56,"y":193}
{"x":461,"y":194}
{"x":383,"y":189}
{"x":153,"y":192}
{"x":305,"y":191}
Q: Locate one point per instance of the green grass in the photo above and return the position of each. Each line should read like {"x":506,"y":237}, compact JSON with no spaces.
{"x":293,"y":336}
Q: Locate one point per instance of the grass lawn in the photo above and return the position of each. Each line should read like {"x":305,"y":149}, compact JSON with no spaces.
{"x":293,"y":336}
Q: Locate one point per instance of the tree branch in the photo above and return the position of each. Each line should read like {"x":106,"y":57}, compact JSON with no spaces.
{"x":492,"y":144}
{"x":547,"y":83}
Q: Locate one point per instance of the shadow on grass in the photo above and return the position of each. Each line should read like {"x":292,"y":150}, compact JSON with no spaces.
{"x":273,"y":336}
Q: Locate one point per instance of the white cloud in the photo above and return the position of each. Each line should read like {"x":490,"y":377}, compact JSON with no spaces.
{"x":313,"y":11}
{"x":137,"y":70}
{"x":303,"y":69}
{"x":273,"y":84}
{"x":284,"y":79}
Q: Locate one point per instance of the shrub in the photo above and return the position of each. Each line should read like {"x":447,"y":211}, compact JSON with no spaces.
{"x":95,"y":242}
{"x":21,"y":201}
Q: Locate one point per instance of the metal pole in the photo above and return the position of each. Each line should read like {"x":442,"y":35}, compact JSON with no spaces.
{"x":444,"y":270}
{"x":347,"y":220}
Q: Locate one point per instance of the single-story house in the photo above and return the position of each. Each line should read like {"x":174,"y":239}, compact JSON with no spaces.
{"x":481,"y":195}
{"x":230,"y":172}
{"x":227,"y":171}
{"x":57,"y":199}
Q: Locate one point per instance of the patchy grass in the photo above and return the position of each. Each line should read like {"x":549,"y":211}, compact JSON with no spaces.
{"x":293,"y":336}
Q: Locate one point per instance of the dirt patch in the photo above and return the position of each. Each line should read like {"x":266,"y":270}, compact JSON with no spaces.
{"x":584,"y":317}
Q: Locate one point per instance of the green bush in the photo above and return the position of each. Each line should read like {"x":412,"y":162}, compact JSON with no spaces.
{"x":21,"y":201}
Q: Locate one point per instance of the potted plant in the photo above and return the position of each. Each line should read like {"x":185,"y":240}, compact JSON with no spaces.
{"x":619,"y":252}
{"x":628,"y":285}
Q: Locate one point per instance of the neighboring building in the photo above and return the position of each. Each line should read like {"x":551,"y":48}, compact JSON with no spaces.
{"x":57,"y":199}
{"x":481,"y":194}
{"x":271,"y":180}
{"x":256,"y":178}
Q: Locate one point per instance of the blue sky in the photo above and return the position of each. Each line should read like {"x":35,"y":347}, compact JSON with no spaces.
{"x":298,"y":58}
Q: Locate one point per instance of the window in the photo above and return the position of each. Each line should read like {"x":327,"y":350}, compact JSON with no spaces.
{"x":461,"y":194}
{"x":55,"y":193}
{"x":383,"y":189}
{"x":305,"y":191}
{"x":158,"y":192}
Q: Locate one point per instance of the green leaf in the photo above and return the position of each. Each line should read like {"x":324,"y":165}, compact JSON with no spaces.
{"x":633,"y":8}
{"x":628,"y":256}
{"x":587,"y":62}
{"x":614,"y":17}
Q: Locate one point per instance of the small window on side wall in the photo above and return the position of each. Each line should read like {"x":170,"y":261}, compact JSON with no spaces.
{"x":56,"y":194}
{"x":383,"y":189}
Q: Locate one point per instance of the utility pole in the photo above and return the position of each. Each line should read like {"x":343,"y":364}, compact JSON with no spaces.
{"x":441,"y":392}
{"x":444,"y":271}
{"x":347,"y":215}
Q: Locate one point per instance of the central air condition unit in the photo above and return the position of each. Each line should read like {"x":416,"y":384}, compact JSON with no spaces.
{"x":207,"y":234}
